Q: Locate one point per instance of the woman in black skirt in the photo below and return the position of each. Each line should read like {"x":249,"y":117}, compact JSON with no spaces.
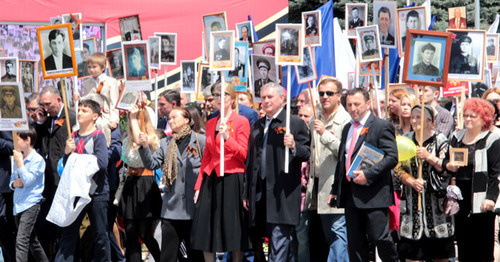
{"x":140,"y":201}
{"x":219,"y":224}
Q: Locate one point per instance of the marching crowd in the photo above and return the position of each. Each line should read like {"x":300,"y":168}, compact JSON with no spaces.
{"x":164,"y":172}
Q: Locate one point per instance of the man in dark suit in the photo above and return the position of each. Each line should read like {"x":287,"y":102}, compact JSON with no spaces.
{"x":52,"y":135}
{"x":370,"y":46}
{"x":367,"y":197}
{"x":271,"y":195}
{"x":166,"y":102}
{"x":355,"y":20}
{"x":245,"y":36}
{"x":384,"y":23}
{"x":222,"y":53}
{"x":58,"y":60}
{"x":7,"y":224}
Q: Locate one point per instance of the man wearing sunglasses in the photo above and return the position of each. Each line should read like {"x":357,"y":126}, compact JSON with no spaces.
{"x":325,"y":140}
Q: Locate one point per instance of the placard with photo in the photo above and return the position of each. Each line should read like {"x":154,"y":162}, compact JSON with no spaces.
{"x":75,"y":20}
{"x":356,"y":15}
{"x":311,"y":23}
{"x":168,"y":47}
{"x":9,"y":67}
{"x":57,"y":51}
{"x":89,"y":47}
{"x":188,"y":76}
{"x":468,"y":54}
{"x":222,"y":50}
{"x":29,"y":75}
{"x":130,"y":28}
{"x":384,"y":16}
{"x":289,"y":44}
{"x":238,"y":77}
{"x":115,"y":63}
{"x":409,"y":18}
{"x":136,"y":60}
{"x":154,"y":50}
{"x":13,"y":115}
{"x":369,"y":43}
{"x":264,"y":71}
{"x":213,"y":23}
{"x":492,"y":47}
{"x":244,"y":32}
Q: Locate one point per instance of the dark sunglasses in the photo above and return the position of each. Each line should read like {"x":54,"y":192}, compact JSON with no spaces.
{"x":328,"y":93}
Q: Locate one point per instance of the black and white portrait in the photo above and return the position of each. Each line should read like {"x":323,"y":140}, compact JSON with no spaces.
{"x":56,"y":50}
{"x":222,"y":50}
{"x":384,"y":15}
{"x":239,"y":63}
{"x":264,"y":71}
{"x":426,"y":58}
{"x":56,"y":20}
{"x":115,"y":63}
{"x":130,"y":28}
{"x":168,"y":47}
{"x":289,"y":42}
{"x":307,"y":71}
{"x":127,"y":99}
{"x":492,"y":47}
{"x":8,"y":70}
{"x":76,"y":28}
{"x":154,"y":51}
{"x":207,"y":77}
{"x":467,"y":55}
{"x":355,"y":16}
{"x":10,"y":102}
{"x":311,"y":23}
{"x":369,"y":43}
{"x":188,"y":76}
{"x":409,"y":18}
{"x":29,"y":75}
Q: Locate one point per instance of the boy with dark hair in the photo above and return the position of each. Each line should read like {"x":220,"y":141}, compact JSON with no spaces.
{"x":27,"y":181}
{"x":89,"y":140}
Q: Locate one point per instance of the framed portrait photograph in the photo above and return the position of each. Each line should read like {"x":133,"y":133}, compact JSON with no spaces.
{"x":369,"y":43}
{"x":265,"y":47}
{"x":75,"y":20}
{"x":206,"y":77}
{"x":238,"y":77}
{"x":57,"y":52}
{"x":356,"y":15}
{"x":29,"y":75}
{"x":459,"y":155}
{"x":188,"y":76}
{"x":457,"y":17}
{"x":12,"y":108}
{"x":368,"y":68}
{"x":115,"y":63}
{"x":384,"y":15}
{"x":409,"y":18}
{"x":212,"y":23}
{"x":89,"y":47}
{"x":127,"y":99}
{"x":244,"y":32}
{"x":492,"y":47}
{"x":56,"y":20}
{"x":289,"y":42}
{"x":130,"y":28}
{"x":468,"y":58}
{"x":154,"y":51}
{"x":222,"y":51}
{"x":9,"y":68}
{"x":136,"y":60}
{"x":168,"y":47}
{"x":311,"y":26}
{"x":428,"y":58}
{"x":264,"y":71}
{"x":307,"y":71}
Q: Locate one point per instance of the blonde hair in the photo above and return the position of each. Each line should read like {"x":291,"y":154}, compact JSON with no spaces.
{"x":413,"y":101}
{"x":153,"y":140}
{"x":97,"y":58}
{"x":232,"y":93}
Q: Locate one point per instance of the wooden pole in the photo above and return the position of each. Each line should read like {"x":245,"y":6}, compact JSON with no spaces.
{"x":377,"y":100}
{"x":14,"y":140}
{"x":156,"y":92}
{"x":66,"y":114}
{"x":222,"y":120}
{"x":421,"y":144}
{"x":288,"y":91}
{"x":312,"y":100}
{"x":387,"y":91}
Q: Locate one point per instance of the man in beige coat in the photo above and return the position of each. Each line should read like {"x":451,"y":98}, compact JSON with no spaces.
{"x":326,"y":133}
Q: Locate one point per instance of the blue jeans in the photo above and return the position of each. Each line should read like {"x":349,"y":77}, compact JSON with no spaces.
{"x":335,"y":232}
{"x":302,"y":232}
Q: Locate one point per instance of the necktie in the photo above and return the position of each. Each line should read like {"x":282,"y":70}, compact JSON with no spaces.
{"x":351,"y":147}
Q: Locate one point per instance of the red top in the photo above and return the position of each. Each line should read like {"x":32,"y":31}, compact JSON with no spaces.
{"x":235,"y":148}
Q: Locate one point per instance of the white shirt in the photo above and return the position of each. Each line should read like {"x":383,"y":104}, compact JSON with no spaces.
{"x":269,"y":122}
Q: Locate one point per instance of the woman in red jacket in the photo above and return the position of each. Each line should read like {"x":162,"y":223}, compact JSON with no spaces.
{"x":218,"y":224}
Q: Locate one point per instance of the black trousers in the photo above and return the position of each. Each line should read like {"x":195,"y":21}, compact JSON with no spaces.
{"x":173,"y":232}
{"x":140,"y":228}
{"x":369,"y":225}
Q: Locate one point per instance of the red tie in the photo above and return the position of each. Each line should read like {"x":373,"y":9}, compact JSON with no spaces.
{"x":351,"y":147}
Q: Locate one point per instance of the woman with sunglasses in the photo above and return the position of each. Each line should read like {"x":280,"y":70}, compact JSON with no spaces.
{"x":477,"y":178}
{"x":219,"y":223}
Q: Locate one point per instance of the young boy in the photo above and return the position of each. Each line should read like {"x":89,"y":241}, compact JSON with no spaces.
{"x":89,"y":140}
{"x":27,"y":181}
{"x":105,"y":86}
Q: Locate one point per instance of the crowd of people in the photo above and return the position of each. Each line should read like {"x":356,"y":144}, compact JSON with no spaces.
{"x":162,"y":173}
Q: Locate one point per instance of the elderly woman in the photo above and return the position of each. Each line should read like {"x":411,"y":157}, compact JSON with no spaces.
{"x":426,"y":234}
{"x":140,"y":200}
{"x":218,"y":224}
{"x":478,"y":181}
{"x":179,"y":178}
